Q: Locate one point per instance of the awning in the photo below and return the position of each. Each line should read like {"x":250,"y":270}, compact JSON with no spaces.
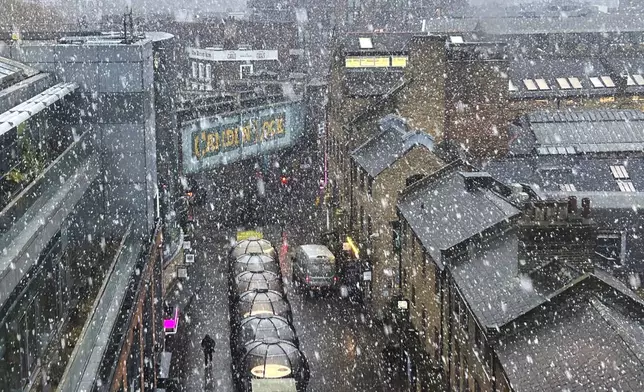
{"x":23,"y":112}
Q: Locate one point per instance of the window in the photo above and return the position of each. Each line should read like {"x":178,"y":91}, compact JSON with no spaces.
{"x":563,"y":83}
{"x":424,"y":322}
{"x":619,"y":172}
{"x":425,"y":262}
{"x":437,"y":281}
{"x":208,"y":72}
{"x":361,"y":219}
{"x":370,"y":186}
{"x":596,"y":82}
{"x":369,"y":227}
{"x":611,"y":247}
{"x":413,"y":294}
{"x":625,"y":186}
{"x":194,"y":70}
{"x":477,"y":386}
{"x":365,"y":43}
{"x":478,"y":341}
{"x":542,"y":84}
{"x":437,"y":343}
{"x":456,"y":306}
{"x":395,"y":237}
{"x":201,"y":71}
{"x":575,"y":83}
{"x":608,"y":82}
{"x":567,"y":188}
{"x":465,"y":320}
{"x":362,"y":180}
{"x":529,"y":84}
{"x":245,"y":70}
{"x":466,"y":378}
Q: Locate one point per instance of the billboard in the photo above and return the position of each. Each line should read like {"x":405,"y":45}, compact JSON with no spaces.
{"x":210,"y":142}
{"x":231,"y":55}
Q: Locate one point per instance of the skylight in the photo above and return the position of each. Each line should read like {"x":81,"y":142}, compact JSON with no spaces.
{"x":630,"y":81}
{"x":567,"y":188}
{"x":511,"y":86}
{"x":639,"y":80}
{"x":596,"y":82}
{"x":626,"y":186}
{"x":542,"y":84}
{"x":608,"y":82}
{"x":456,"y":39}
{"x":563,"y":83}
{"x":619,"y":172}
{"x":575,"y":83}
{"x":365,"y":43}
{"x":529,"y":84}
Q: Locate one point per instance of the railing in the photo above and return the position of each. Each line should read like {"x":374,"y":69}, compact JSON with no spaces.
{"x":118,"y":337}
{"x":27,"y":204}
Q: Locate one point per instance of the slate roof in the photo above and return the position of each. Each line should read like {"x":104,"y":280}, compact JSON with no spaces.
{"x":575,"y":132}
{"x":371,"y":82}
{"x":598,"y":22}
{"x":392,"y":143}
{"x":443,"y":213}
{"x":490,"y":283}
{"x":587,"y":173}
{"x":587,"y":344}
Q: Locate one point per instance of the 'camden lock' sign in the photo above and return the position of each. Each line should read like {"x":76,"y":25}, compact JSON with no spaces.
{"x":214,"y":141}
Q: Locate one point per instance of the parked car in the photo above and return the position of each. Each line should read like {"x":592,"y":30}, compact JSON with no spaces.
{"x":314,"y":268}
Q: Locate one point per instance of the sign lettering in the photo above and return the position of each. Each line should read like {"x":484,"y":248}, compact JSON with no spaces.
{"x":211,"y":142}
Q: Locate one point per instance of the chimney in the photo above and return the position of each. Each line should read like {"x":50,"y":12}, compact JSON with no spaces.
{"x":477,"y":180}
{"x":555,"y":230}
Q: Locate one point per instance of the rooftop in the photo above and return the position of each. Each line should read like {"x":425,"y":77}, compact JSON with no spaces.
{"x":392,"y":143}
{"x":588,"y":342}
{"x":565,"y":132}
{"x":12,"y":72}
{"x":376,"y":42}
{"x":444,"y":211}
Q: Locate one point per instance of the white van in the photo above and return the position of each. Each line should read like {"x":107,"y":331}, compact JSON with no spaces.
{"x":314,"y":267}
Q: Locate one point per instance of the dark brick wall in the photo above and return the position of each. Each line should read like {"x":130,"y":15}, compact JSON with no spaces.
{"x":551,"y":231}
{"x":476,"y":96}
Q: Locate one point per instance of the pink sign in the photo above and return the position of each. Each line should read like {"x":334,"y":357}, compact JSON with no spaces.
{"x":170,"y":325}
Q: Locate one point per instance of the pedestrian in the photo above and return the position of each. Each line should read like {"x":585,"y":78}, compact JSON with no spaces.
{"x":208,"y":345}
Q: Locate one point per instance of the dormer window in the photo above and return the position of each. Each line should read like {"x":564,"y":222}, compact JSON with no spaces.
{"x":611,"y":247}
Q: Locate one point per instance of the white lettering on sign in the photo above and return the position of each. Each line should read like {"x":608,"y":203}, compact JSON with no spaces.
{"x":231,"y":55}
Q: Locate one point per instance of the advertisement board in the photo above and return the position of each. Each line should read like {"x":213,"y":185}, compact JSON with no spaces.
{"x":232,"y":55}
{"x":210,"y":142}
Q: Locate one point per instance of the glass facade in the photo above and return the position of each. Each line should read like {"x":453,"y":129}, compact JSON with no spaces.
{"x":32,"y":317}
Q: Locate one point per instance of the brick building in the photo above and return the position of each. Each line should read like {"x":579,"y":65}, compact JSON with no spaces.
{"x":389,"y":161}
{"x":477,"y":264}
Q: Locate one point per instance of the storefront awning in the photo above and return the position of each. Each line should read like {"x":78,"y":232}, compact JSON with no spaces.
{"x":23,"y":112}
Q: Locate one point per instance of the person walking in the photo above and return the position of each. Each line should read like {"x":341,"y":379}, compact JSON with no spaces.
{"x":208,"y":346}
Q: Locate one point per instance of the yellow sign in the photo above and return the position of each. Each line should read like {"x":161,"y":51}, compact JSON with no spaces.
{"x":399,"y":62}
{"x":15,"y":36}
{"x":244,"y":235}
{"x":270,"y":371}
{"x":214,"y":141}
{"x":352,"y":246}
{"x":352,"y":62}
{"x":606,"y":99}
{"x":375,"y":62}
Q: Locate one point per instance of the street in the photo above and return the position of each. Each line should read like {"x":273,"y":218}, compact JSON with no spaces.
{"x":343,"y":345}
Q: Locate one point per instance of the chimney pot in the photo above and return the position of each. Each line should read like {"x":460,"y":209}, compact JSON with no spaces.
{"x":585,"y":205}
{"x":572,"y":204}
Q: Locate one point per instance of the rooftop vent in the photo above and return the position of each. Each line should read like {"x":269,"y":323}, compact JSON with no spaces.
{"x":477,"y":180}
